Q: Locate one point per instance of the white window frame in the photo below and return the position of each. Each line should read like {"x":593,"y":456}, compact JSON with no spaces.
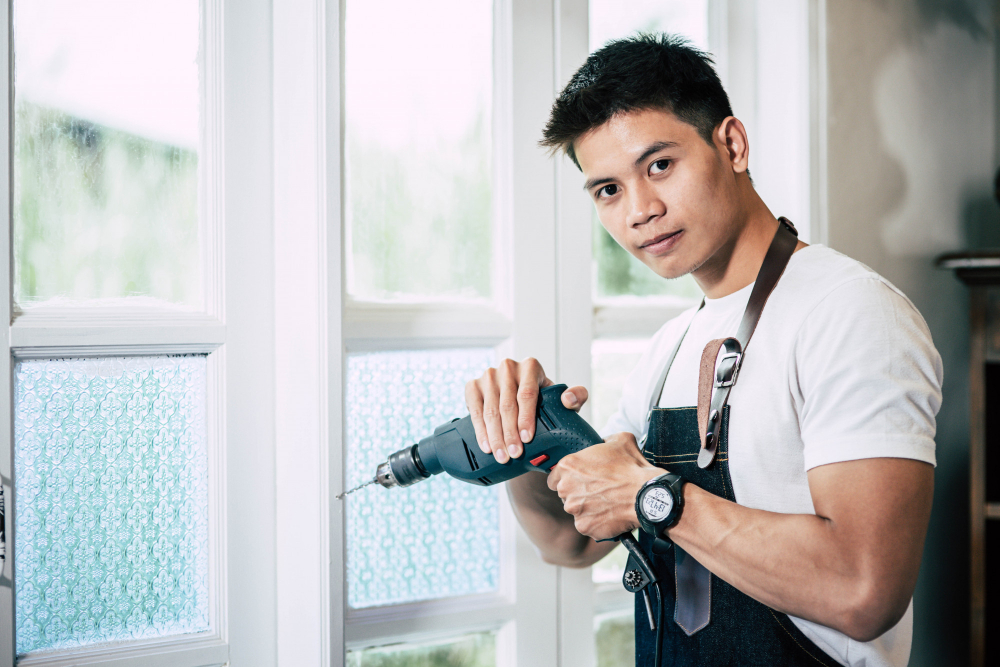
{"x":235,"y":149}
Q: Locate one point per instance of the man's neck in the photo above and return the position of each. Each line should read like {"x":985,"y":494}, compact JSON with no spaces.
{"x":737,"y":263}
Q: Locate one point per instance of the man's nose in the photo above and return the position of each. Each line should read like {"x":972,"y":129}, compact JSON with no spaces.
{"x":644,"y":205}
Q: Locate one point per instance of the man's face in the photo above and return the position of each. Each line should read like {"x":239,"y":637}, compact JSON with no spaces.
{"x":662,"y":192}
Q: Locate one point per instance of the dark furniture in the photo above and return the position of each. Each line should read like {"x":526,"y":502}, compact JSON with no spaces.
{"x":981,"y":272}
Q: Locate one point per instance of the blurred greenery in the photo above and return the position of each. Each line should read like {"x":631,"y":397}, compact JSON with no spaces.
{"x":615,"y":638}
{"x":619,"y":273}
{"x":420,"y":216}
{"x":477,"y":650}
{"x":101,"y":213}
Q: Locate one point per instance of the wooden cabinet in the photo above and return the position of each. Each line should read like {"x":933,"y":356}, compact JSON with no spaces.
{"x":981,"y":272}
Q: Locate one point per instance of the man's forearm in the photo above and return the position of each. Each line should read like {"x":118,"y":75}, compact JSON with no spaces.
{"x":540,"y":512}
{"x":836,"y":573}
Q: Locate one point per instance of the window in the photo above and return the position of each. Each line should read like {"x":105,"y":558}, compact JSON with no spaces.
{"x":421,"y":250}
{"x":126,"y":329}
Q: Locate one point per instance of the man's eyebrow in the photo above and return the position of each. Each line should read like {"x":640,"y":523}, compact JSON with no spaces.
{"x":594,"y":182}
{"x":654,"y":148}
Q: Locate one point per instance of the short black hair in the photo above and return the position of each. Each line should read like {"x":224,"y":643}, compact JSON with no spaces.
{"x":646,"y":71}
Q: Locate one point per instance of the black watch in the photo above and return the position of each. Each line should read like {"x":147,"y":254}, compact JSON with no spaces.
{"x":659,"y":503}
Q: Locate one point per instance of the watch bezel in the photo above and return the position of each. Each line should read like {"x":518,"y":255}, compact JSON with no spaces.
{"x":672,"y":483}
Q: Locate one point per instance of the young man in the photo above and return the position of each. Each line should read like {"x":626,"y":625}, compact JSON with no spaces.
{"x":811,"y":508}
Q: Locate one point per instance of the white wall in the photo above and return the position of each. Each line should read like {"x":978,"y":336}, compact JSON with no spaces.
{"x":912,"y":151}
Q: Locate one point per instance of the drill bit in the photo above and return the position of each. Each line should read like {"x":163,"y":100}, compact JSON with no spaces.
{"x":358,"y":487}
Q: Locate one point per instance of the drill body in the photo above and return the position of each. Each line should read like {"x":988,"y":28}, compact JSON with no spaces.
{"x":453,"y":448}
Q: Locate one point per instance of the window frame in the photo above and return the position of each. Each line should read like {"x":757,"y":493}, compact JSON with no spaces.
{"x":221,"y":331}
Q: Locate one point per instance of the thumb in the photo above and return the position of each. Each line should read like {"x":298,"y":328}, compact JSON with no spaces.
{"x":574,"y":397}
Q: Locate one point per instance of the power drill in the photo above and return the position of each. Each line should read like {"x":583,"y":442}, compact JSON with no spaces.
{"x":559,"y":432}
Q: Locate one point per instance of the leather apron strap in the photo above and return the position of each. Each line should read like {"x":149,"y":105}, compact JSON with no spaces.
{"x":719,"y":372}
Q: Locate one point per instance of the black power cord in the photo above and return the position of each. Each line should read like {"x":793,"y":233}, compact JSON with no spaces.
{"x":639,"y":577}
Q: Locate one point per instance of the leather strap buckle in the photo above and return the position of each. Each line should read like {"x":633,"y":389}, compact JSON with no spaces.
{"x":726,"y":369}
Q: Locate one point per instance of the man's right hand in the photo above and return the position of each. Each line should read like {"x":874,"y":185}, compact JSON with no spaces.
{"x":502,"y":405}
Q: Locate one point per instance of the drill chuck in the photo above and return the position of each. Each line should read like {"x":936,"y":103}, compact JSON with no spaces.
{"x":403,"y":468}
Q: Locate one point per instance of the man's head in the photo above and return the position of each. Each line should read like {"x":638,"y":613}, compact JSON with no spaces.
{"x":638,"y":73}
{"x":648,"y":123}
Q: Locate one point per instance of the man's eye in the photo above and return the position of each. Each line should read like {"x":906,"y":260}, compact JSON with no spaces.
{"x":607,"y":191}
{"x":658,"y":166}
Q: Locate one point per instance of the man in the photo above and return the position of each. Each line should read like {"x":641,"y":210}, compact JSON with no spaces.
{"x":812,"y":510}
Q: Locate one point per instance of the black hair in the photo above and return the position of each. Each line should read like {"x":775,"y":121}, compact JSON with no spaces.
{"x":646,"y":71}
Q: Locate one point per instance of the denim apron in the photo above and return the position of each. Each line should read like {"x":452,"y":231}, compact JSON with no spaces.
{"x":742,"y":632}
{"x":724,"y":626}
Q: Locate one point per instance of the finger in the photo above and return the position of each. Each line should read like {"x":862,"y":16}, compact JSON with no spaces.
{"x":509,"y":374}
{"x":491,"y":414}
{"x":532,"y":379}
{"x":474,"y":401}
{"x":552,"y":479}
{"x":574,"y":397}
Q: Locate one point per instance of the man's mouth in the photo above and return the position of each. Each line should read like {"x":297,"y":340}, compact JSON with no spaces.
{"x":662,"y":243}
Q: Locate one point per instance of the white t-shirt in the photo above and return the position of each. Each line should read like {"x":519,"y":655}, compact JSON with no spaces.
{"x":841,"y":367}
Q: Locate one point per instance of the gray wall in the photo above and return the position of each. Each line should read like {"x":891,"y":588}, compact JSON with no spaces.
{"x":912,"y":150}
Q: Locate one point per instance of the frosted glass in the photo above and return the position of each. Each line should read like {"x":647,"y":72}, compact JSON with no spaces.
{"x":418,"y":141}
{"x":106,"y":134}
{"x":440,"y":537}
{"x":111,"y":486}
{"x":477,"y":650}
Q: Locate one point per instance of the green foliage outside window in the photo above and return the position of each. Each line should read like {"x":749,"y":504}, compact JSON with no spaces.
{"x":99,"y":212}
{"x":473,"y":651}
{"x":420,"y":216}
{"x":621,"y":274}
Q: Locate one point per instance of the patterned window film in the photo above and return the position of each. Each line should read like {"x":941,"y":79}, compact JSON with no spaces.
{"x":438,"y":538}
{"x":111,"y":486}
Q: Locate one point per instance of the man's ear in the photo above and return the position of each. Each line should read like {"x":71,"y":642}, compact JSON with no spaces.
{"x":731,"y":137}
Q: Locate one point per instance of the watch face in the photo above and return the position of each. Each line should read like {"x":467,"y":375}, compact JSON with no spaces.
{"x":657,"y":503}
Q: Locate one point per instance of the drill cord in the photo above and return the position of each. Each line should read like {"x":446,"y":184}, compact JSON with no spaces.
{"x":659,"y":623}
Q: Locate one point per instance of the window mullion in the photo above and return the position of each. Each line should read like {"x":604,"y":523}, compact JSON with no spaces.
{"x":7,"y":655}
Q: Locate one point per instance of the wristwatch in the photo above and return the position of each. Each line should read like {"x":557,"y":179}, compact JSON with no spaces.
{"x":659,"y":503}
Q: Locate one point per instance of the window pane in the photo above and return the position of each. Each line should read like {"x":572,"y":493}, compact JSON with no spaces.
{"x":418,"y":148}
{"x":618,"y":272}
{"x":106,"y":124}
{"x":614,"y":635}
{"x":613,"y":19}
{"x":438,"y":538}
{"x":111,"y":486}
{"x":477,"y":650}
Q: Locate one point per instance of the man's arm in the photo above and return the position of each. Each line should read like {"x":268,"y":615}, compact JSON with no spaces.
{"x":852,"y":566}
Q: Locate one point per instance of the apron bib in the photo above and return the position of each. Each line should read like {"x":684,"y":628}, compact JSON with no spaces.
{"x":742,"y":632}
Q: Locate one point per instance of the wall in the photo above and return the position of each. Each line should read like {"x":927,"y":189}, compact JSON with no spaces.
{"x":912,"y":150}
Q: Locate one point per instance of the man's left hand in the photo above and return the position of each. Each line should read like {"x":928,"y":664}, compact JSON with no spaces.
{"x":598,"y":485}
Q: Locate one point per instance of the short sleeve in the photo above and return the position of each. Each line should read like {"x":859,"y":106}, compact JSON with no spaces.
{"x":867,"y":375}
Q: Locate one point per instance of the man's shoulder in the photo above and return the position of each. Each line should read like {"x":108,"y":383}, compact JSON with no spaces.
{"x":818,"y":276}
